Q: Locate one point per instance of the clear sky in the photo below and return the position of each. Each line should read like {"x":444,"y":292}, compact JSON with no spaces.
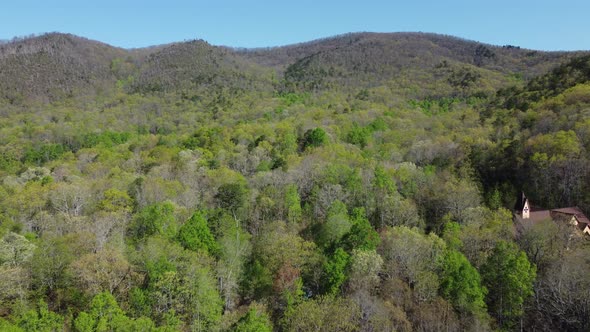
{"x":541,"y":24}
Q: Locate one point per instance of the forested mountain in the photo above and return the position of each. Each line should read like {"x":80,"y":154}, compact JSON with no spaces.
{"x":194,"y":64}
{"x":395,"y":47}
{"x":574,"y":72}
{"x":54,"y":66}
{"x":402,"y":60}
{"x":363,"y":182}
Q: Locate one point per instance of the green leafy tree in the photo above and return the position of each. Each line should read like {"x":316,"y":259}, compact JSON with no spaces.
{"x":104,"y":311}
{"x":51,"y":268}
{"x":106,"y":315}
{"x":179,"y":281}
{"x":139,"y":302}
{"x":44,"y":153}
{"x":413,"y":257}
{"x":494,"y":198}
{"x":155,"y":219}
{"x":195,"y":235}
{"x":510,"y":277}
{"x":461,"y":283}
{"x":257,"y":281}
{"x":384,"y":193}
{"x":192,"y":294}
{"x":336,"y":226}
{"x":269,"y":248}
{"x":232,"y":196}
{"x":452,"y":235}
{"x":255,"y":320}
{"x":286,"y":141}
{"x":335,"y":271}
{"x":41,"y":320}
{"x":481,"y":230}
{"x":361,"y":235}
{"x":382,"y":181}
{"x":359,"y":135}
{"x":9,"y":327}
{"x":314,"y":138}
{"x":116,"y":201}
{"x":292,"y":204}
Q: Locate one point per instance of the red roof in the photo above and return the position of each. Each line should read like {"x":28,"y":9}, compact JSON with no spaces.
{"x":536,"y":216}
{"x":574,"y":211}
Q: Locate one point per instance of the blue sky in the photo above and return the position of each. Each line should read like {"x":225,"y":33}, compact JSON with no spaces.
{"x":544,"y":25}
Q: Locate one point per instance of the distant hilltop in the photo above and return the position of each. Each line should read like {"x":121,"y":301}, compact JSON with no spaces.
{"x":56,"y":65}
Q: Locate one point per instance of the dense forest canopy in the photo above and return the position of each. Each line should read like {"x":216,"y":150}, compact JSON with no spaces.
{"x":363,"y":182}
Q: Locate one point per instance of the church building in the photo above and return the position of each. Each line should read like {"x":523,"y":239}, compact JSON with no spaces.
{"x":524,"y":214}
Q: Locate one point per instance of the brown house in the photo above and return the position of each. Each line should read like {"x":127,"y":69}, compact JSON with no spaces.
{"x":525,"y":213}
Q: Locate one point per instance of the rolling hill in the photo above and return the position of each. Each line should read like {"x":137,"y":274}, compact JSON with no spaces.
{"x":397,"y":48}
{"x":372,"y":59}
{"x":417,"y":65}
{"x":575,"y":71}
{"x":54,"y":66}
{"x":195,"y":64}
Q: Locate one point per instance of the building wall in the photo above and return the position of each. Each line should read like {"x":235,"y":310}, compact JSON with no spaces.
{"x":526,"y":210}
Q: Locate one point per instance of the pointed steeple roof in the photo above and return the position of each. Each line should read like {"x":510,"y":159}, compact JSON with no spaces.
{"x":522,"y":199}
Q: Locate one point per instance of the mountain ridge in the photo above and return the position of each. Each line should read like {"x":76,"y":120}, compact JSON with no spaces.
{"x":305,"y":42}
{"x":57,"y":65}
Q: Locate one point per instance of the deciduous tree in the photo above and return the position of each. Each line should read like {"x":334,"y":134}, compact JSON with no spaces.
{"x":510,"y":276}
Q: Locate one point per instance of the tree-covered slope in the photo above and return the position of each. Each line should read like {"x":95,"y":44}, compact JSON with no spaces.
{"x":505,"y":58}
{"x":54,"y":66}
{"x":197,"y":64}
{"x":370,"y":59}
{"x":575,"y":71}
{"x":359,"y":183}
